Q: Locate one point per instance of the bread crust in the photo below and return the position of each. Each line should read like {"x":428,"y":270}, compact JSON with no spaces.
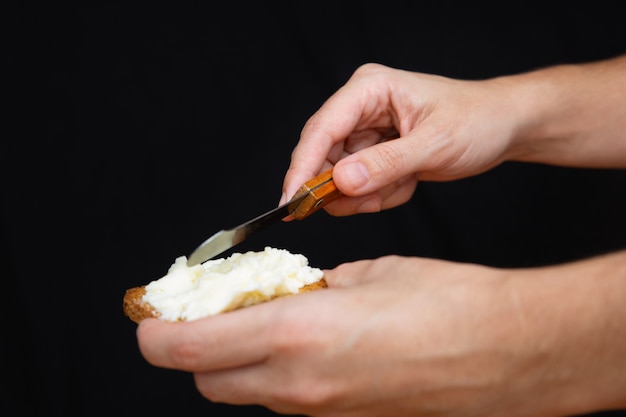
{"x":136,"y":309}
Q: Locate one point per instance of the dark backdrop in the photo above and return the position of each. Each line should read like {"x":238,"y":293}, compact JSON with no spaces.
{"x":134,"y":133}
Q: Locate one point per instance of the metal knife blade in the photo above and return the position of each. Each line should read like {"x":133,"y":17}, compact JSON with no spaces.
{"x":312,"y":196}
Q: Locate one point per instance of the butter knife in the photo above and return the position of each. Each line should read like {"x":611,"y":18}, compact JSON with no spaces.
{"x":312,"y":196}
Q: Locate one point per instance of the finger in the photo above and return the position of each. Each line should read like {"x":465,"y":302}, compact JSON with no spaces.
{"x":349,"y":274}
{"x":380,"y":165}
{"x":298,"y":337}
{"x":390,"y":196}
{"x":263,"y":384}
{"x":310,"y":156}
{"x":362,"y":139}
{"x":239,"y":386}
{"x":229,"y":340}
{"x":232,"y":339}
{"x":256,"y":384}
{"x":318,"y":147}
{"x":260,"y":384}
{"x":363,"y":272}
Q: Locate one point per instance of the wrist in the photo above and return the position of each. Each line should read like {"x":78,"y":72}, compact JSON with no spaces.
{"x":574,"y":322}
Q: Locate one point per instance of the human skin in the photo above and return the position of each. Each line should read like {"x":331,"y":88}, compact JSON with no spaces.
{"x":569,"y":115}
{"x":408,"y":336}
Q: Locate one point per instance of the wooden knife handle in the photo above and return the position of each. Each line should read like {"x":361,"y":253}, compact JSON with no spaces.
{"x":321,"y":190}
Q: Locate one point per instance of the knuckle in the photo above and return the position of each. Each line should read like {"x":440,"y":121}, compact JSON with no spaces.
{"x":368,"y":68}
{"x":387,"y":159}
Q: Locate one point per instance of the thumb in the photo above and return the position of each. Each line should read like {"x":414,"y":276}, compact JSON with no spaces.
{"x":375,"y":167}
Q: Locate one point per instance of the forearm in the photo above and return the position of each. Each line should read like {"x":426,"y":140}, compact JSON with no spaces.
{"x":571,"y":115}
{"x":576,"y":323}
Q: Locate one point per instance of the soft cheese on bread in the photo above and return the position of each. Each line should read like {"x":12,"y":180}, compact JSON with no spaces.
{"x":221,"y":285}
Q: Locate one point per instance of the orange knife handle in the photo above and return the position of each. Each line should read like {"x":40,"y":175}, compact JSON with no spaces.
{"x":321,"y":190}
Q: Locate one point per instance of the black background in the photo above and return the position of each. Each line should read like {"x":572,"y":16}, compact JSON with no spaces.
{"x":134,"y":133}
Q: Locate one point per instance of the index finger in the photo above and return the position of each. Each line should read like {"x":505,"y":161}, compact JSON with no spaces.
{"x":227,"y":340}
{"x":330,"y":125}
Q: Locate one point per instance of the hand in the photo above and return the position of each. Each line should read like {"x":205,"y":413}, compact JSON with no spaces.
{"x":344,"y":350}
{"x":386,"y":129}
{"x":409,"y":336}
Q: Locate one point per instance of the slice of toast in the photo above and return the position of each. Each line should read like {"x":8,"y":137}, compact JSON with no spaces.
{"x":137,"y":309}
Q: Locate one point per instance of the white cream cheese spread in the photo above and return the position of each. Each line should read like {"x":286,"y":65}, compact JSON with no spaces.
{"x":219,"y":285}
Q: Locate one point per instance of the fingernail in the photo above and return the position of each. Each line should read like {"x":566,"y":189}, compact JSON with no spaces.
{"x":356,"y":174}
